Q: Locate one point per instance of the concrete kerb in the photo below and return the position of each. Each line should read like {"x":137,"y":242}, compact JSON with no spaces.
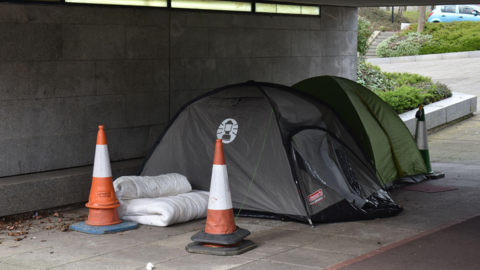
{"x":373,"y":37}
{"x":426,"y":57}
{"x":443,"y":112}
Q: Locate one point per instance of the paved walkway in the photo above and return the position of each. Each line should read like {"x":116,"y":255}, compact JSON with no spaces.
{"x":281,"y":245}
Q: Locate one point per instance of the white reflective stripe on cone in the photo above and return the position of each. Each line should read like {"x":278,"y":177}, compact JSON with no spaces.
{"x":421,"y":137}
{"x":220,"y":197}
{"x":101,"y":167}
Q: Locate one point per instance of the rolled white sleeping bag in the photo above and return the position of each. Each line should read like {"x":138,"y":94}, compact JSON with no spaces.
{"x":135,"y":187}
{"x":166,"y":211}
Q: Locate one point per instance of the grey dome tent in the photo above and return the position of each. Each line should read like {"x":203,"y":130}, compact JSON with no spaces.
{"x":289,"y":156}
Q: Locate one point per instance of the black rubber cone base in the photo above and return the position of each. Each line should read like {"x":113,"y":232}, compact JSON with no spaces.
{"x":436,"y":175}
{"x":221,"y":239}
{"x":244,"y":246}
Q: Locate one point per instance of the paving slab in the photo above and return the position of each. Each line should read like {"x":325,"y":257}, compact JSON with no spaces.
{"x":177,"y":241}
{"x":268,"y":265}
{"x":12,"y":267}
{"x":147,"y":253}
{"x":265,"y":250}
{"x":101,"y":262}
{"x":240,"y":221}
{"x":9,"y":248}
{"x":410,"y":221}
{"x":287,"y":237}
{"x":455,"y":247}
{"x":382,"y":234}
{"x":309,"y":257}
{"x":200,"y":262}
{"x":325,"y":228}
{"x":98,"y":245}
{"x":344,"y":244}
{"x":47,"y":257}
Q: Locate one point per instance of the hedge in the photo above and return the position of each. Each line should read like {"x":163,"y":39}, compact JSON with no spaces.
{"x":402,"y":91}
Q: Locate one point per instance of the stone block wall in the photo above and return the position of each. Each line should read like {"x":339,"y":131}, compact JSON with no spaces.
{"x":213,"y":49}
{"x":65,"y":69}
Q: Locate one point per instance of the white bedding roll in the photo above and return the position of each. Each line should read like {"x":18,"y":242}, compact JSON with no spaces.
{"x":135,"y":187}
{"x":165,"y":211}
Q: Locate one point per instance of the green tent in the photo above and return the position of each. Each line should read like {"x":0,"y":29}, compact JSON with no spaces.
{"x":376,"y":126}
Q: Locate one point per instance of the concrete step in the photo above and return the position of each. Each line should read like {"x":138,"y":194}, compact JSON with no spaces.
{"x":376,"y":42}
{"x":372,"y":52}
{"x":33,"y":192}
{"x":387,"y":33}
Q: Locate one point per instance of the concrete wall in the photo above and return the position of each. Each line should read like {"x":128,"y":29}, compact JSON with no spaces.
{"x":66,"y":69}
{"x":209,"y":50}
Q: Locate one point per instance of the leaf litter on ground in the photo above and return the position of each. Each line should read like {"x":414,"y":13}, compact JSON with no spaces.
{"x":19,"y":225}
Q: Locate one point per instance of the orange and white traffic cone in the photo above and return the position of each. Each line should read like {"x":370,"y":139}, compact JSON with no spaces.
{"x":220,"y":219}
{"x":102,"y":202}
{"x":221,"y":236}
{"x":102,"y":216}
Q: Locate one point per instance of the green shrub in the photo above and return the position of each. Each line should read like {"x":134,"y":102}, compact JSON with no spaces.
{"x":372,"y":78}
{"x":442,"y":91}
{"x":364,"y":33}
{"x":450,"y":37}
{"x":402,"y":91}
{"x":405,"y":98}
{"x":405,"y":78}
{"x":402,"y":45}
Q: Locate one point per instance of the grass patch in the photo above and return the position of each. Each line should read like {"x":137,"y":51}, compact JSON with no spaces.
{"x":412,"y":16}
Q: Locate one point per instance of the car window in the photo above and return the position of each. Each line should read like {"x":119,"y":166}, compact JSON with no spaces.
{"x":465,"y":10}
{"x":448,"y":9}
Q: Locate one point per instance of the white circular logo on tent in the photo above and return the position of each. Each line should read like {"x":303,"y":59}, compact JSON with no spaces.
{"x":227,"y":131}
